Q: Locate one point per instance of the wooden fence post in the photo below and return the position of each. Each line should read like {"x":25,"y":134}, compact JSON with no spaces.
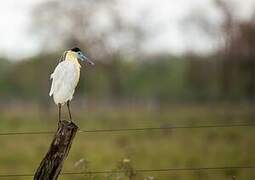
{"x":53,"y":161}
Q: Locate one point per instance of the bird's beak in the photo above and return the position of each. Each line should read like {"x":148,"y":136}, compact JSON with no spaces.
{"x":82,"y":57}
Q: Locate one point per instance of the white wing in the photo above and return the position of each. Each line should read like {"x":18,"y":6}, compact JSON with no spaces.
{"x":64,"y":80}
{"x":56,"y":76}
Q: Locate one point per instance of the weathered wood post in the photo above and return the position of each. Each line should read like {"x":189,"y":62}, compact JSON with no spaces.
{"x":52,"y":163}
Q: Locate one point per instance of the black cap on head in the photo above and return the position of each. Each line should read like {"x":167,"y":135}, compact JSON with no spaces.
{"x":75,"y":49}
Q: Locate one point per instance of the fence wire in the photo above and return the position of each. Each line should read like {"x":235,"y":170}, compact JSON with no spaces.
{"x":138,"y":171}
{"x":134,"y":129}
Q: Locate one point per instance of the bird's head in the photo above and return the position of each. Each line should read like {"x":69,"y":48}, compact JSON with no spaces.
{"x":76,"y":53}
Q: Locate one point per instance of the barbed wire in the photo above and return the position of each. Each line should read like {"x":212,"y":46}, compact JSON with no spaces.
{"x":135,"y":129}
{"x":137,"y":170}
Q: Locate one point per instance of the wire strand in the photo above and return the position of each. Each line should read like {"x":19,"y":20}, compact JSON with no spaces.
{"x":134,"y":129}
{"x":138,"y":170}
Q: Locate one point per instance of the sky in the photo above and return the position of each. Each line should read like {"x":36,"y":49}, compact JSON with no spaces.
{"x":164,"y":16}
{"x":14,"y":28}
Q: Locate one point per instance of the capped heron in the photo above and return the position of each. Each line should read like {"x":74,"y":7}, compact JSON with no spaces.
{"x":66,"y":77}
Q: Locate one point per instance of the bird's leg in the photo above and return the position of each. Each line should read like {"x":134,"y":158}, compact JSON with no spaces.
{"x":59,"y":113}
{"x":68,"y":106}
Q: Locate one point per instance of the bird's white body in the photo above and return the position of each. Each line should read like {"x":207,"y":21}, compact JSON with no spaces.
{"x":65,"y":79}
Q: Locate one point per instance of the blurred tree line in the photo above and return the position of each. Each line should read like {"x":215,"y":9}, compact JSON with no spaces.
{"x":123,"y":70}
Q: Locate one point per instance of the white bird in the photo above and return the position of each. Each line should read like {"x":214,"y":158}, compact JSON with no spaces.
{"x":66,"y":77}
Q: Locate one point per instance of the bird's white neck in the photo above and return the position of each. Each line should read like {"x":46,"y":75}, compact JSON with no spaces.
{"x":70,"y":56}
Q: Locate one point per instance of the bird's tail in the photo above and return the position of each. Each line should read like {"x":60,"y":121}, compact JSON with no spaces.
{"x":51,"y":89}
{"x":51,"y":92}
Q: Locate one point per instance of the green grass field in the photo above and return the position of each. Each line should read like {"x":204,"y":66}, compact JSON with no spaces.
{"x":178,"y":148}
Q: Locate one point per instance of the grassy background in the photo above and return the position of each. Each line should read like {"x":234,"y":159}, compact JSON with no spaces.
{"x":178,"y":148}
